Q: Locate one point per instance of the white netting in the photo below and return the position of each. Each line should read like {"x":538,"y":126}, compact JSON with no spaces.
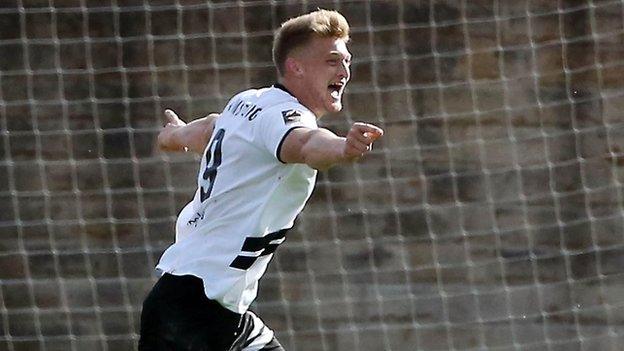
{"x":488,"y":217}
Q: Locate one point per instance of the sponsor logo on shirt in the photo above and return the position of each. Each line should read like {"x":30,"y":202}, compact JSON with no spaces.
{"x":291,"y":116}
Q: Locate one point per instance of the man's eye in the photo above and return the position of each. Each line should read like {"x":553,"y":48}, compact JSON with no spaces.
{"x":332,"y":62}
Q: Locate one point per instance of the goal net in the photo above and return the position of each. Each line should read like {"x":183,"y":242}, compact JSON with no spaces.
{"x":488,"y":217}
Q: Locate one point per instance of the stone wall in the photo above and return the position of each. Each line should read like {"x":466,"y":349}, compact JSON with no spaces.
{"x":488,"y":217}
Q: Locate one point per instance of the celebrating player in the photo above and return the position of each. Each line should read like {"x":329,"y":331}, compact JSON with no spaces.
{"x":258,"y":169}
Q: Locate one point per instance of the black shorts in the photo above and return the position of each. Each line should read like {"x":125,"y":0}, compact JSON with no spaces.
{"x":178,"y":316}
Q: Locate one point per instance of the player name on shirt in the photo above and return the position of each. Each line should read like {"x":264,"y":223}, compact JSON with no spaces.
{"x":239,"y":108}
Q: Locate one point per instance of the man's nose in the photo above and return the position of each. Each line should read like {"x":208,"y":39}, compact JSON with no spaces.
{"x":345,"y":71}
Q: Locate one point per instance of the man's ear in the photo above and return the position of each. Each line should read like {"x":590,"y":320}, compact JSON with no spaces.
{"x":294,"y":67}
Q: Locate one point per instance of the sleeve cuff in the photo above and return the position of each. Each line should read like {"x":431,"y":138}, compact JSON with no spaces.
{"x":279,"y":146}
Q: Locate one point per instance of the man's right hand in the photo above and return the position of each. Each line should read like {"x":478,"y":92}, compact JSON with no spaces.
{"x":321,"y":149}
{"x":360,"y":140}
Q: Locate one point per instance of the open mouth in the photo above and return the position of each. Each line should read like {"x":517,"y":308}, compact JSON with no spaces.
{"x":335,"y":89}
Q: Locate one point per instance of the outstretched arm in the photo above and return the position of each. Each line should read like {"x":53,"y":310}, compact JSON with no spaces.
{"x":180,"y":136}
{"x":321,"y":148}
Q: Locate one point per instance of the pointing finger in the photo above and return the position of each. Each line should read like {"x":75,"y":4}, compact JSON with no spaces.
{"x":373,"y":135}
{"x":368,"y":130}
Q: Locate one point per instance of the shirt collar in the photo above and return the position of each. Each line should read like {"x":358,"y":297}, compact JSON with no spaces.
{"x":282,"y":87}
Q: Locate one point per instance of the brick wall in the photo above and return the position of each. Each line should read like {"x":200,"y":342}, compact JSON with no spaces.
{"x":489,"y":214}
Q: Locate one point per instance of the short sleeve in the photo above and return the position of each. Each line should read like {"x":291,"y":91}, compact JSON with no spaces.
{"x":277,"y":122}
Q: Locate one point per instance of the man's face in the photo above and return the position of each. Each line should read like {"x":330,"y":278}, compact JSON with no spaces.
{"x":325,"y":64}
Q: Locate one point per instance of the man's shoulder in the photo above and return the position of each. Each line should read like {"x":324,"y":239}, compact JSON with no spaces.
{"x":289,"y":111}
{"x":272,"y":96}
{"x":271,"y":101}
{"x":276,"y":101}
{"x":266,"y":97}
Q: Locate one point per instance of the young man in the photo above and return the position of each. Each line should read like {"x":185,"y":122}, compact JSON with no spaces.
{"x":258,"y":169}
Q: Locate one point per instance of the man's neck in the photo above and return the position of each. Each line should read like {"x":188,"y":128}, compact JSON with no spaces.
{"x":299,"y":92}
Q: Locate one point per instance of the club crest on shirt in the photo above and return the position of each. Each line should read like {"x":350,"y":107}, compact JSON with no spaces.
{"x":291,"y":116}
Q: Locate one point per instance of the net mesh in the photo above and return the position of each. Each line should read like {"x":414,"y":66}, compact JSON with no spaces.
{"x":489,"y":216}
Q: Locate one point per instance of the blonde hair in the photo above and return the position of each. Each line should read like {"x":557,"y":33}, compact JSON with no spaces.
{"x":298,"y":31}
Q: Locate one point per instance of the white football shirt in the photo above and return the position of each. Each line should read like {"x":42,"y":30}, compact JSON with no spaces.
{"x":246,"y":197}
